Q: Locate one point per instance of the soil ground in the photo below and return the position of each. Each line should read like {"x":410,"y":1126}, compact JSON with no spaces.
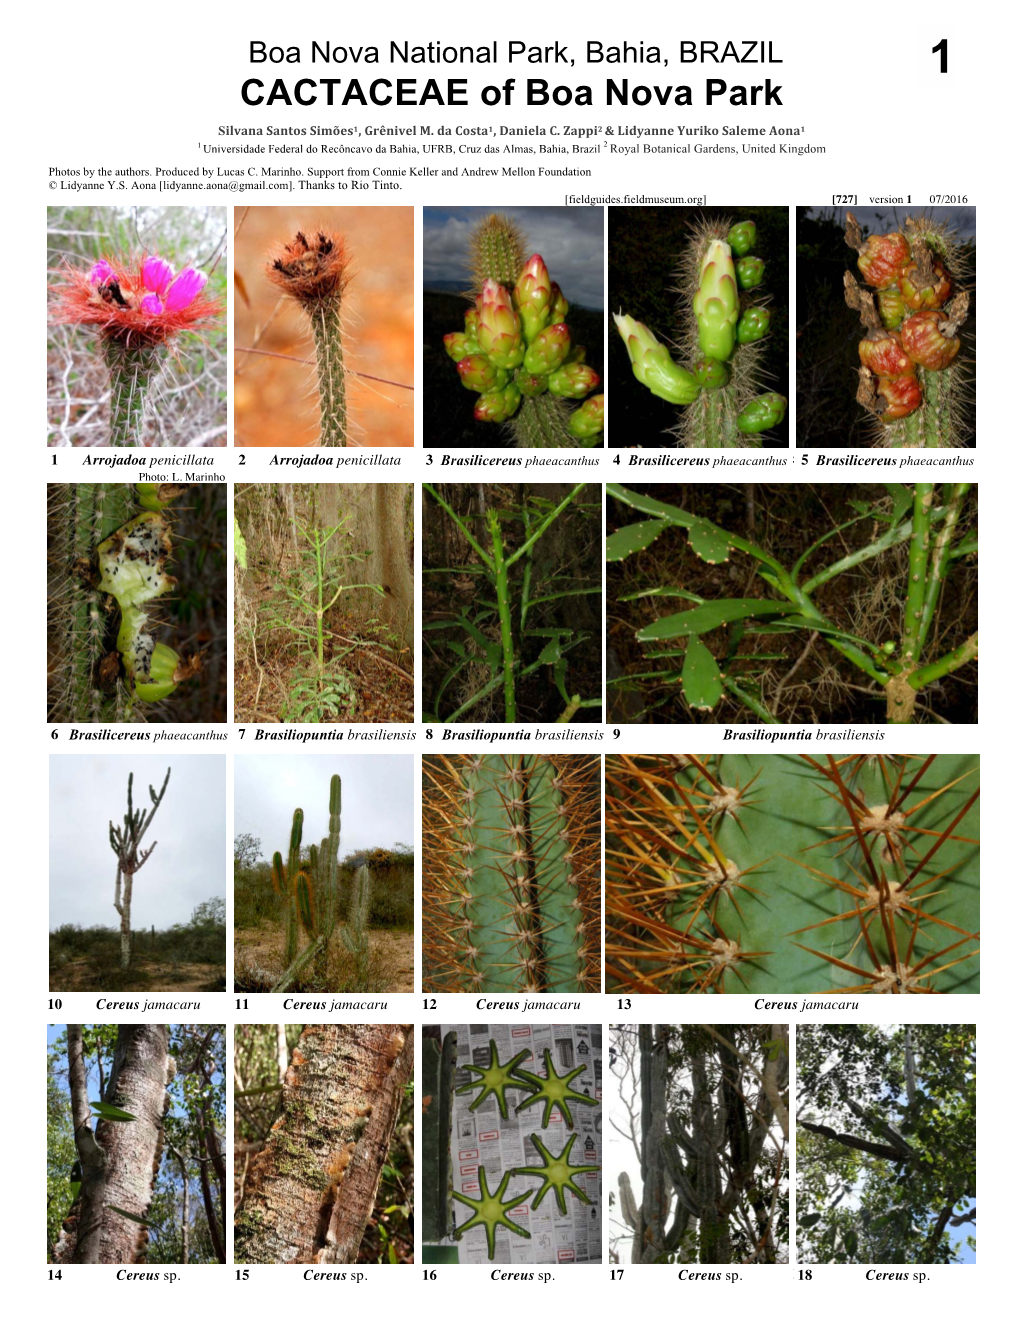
{"x":392,"y":957}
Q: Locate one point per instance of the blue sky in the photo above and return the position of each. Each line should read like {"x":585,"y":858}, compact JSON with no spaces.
{"x":571,"y":241}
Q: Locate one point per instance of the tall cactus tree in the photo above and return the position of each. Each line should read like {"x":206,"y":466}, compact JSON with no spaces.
{"x":125,"y":840}
{"x":311,"y":894}
{"x":710,"y":1099}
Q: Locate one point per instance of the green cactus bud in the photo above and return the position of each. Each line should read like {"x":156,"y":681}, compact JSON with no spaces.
{"x":559,"y":307}
{"x":925,"y":343}
{"x":717,"y":302}
{"x":458,"y":346}
{"x":753,"y":325}
{"x":533,"y":298}
{"x":765,"y":411}
{"x":477,"y":373}
{"x":652,"y":364}
{"x":531,"y":385}
{"x":712,"y":375}
{"x":548,"y":350}
{"x":573,"y":380}
{"x":588,"y":420}
{"x":499,"y":328}
{"x":498,"y":405}
{"x":750,"y":272}
{"x":742,"y":236}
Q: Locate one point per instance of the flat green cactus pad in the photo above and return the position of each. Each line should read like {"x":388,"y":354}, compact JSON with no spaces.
{"x":553,"y":1091}
{"x":491,"y":1211}
{"x":495,"y":1079}
{"x":557,"y":1174}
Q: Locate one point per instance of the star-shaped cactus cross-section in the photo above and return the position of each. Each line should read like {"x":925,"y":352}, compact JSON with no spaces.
{"x":491,"y":1211}
{"x":495,"y":1079}
{"x":554,"y":1091}
{"x":557,"y":1174}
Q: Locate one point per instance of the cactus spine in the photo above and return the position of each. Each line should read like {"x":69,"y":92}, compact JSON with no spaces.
{"x":511,"y":896}
{"x":125,"y":841}
{"x":911,"y":306}
{"x":515,"y":351}
{"x":829,"y":875}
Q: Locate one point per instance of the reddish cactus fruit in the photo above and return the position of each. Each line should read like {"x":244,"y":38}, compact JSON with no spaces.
{"x":882,"y":258}
{"x":925,"y":342}
{"x":902,"y":396}
{"x":925,"y":293}
{"x":884,"y":354}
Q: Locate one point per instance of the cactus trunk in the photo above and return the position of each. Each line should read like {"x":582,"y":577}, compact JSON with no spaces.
{"x":133,"y":368}
{"x":310,"y":896}
{"x":125,"y":842}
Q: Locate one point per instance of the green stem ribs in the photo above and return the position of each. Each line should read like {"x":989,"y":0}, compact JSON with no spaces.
{"x":132,"y":369}
{"x":512,"y":900}
{"x":327,"y":333}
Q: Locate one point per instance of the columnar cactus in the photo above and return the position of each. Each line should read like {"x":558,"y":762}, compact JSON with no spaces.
{"x":516,"y":352}
{"x":125,"y":841}
{"x":138,"y":306}
{"x":315,"y":274}
{"x":911,"y":306}
{"x":355,"y":932}
{"x":511,"y":893}
{"x":723,"y":321}
{"x":310,"y":892}
{"x":772,"y":873}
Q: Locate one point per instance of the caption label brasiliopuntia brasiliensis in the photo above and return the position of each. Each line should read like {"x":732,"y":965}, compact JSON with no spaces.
{"x":723,"y":324}
{"x":516,"y":352}
{"x":911,"y":305}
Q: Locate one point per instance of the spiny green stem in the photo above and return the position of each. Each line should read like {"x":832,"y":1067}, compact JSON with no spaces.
{"x":541,"y":423}
{"x":917,"y":583}
{"x":947,"y":664}
{"x":505,"y":624}
{"x":132,"y":370}
{"x":329,"y":359}
{"x":940,"y":558}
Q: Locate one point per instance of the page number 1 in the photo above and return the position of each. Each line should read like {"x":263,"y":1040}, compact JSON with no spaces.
{"x":942,"y":50}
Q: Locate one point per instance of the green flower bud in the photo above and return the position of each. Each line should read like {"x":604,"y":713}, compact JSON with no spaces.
{"x":589,"y":419}
{"x":498,"y":405}
{"x":458,"y":345}
{"x":548,"y":350}
{"x":529,"y":384}
{"x":750,"y":272}
{"x":753,"y":325}
{"x":573,"y":380}
{"x":711,"y":375}
{"x":652,"y":364}
{"x":717,"y":303}
{"x":741,"y":237}
{"x":533,"y":297}
{"x":761,"y":413}
{"x":499,"y":327}
{"x":479,"y":374}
